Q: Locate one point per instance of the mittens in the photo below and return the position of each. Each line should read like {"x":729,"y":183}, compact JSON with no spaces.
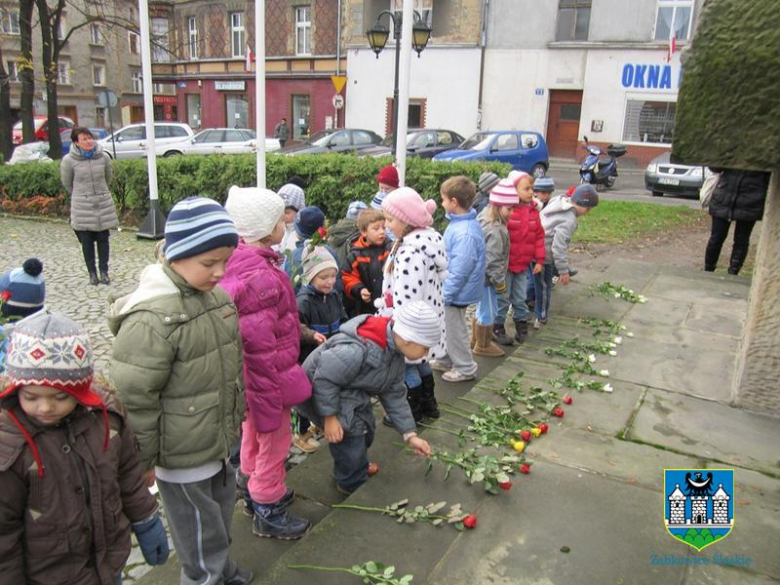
{"x":152,"y":540}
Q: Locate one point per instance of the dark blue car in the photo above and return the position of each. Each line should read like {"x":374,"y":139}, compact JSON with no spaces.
{"x":523,"y":149}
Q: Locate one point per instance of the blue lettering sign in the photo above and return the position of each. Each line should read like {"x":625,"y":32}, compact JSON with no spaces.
{"x":628,"y":75}
{"x":639,"y":75}
{"x":653,"y":73}
{"x":666,"y":78}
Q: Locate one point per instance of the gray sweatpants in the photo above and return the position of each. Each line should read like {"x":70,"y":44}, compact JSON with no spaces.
{"x":459,"y":355}
{"x":199,"y":516}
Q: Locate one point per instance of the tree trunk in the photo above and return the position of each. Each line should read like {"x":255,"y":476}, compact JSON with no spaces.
{"x":51,"y":52}
{"x":6,"y":145}
{"x":26,"y":71}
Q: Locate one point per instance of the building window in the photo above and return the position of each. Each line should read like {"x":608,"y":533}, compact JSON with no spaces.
{"x":673,"y":20}
{"x":301,"y":108}
{"x":100,"y":117}
{"x":303,"y":30}
{"x":134,"y":42}
{"x":13,"y":71}
{"x":237,"y":33}
{"x":9,"y":19}
{"x":98,"y":75}
{"x":573,"y":20}
{"x":649,"y":121}
{"x":192,"y":35}
{"x":237,"y":109}
{"x":63,"y":73}
{"x":95,"y":36}
{"x":137,"y":83}
{"x":424,"y":7}
{"x":160,"y":51}
{"x":164,"y":88}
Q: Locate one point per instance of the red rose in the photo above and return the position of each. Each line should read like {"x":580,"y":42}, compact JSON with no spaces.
{"x":543,"y":427}
{"x":322,"y":231}
{"x":568,"y":399}
{"x":6,"y":294}
{"x":506,"y":486}
{"x":558,"y":412}
{"x":525,"y":468}
{"x":526,"y":436}
{"x":470,"y":521}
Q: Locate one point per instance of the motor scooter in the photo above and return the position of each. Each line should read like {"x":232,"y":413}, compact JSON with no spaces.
{"x":600,"y":170}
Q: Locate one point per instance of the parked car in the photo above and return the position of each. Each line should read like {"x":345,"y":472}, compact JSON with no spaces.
{"x":217,"y":141}
{"x":341,"y":140}
{"x":130,"y":141}
{"x":523,"y":149}
{"x":65,"y":133}
{"x":661,"y":176}
{"x":422,"y":142}
{"x":41,"y":124}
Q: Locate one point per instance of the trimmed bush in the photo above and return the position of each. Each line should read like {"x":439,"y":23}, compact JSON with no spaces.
{"x":332,"y":180}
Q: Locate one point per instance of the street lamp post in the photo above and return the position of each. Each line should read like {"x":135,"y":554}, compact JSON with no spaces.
{"x":377,"y":39}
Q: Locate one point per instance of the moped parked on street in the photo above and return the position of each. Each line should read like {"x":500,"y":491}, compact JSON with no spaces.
{"x":598,"y":169}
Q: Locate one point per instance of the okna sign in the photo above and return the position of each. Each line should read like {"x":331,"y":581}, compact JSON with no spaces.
{"x":647,"y":76}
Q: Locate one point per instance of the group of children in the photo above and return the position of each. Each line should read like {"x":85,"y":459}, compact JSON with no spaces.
{"x":214,"y":344}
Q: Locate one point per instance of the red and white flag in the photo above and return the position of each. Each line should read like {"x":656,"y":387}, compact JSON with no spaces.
{"x":672,"y":48}
{"x":249,"y":58}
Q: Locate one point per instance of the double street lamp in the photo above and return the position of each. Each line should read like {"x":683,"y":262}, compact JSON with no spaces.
{"x":377,"y":38}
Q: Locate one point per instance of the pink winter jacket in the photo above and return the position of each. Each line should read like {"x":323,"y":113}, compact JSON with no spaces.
{"x":526,"y":237}
{"x":270,"y":328}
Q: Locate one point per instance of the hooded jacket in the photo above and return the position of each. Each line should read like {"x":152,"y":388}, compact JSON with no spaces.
{"x":352,"y":367}
{"x":270,"y":328}
{"x":739,"y":195}
{"x":364,"y":270}
{"x":465,"y":245}
{"x":71,"y":526}
{"x":419,"y":271}
{"x":320,"y":312}
{"x":526,"y":237}
{"x":86,"y":181}
{"x":340,"y":238}
{"x":559,"y":221}
{"x":496,"y":249}
{"x":177,"y":364}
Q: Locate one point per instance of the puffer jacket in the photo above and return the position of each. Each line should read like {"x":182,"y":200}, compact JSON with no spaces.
{"x":86,"y":180}
{"x":739,"y":195}
{"x":526,"y":237}
{"x":340,"y":238}
{"x":177,"y":364}
{"x":347,"y":370}
{"x":364,"y":270}
{"x":465,"y":245}
{"x":270,"y":327}
{"x":72,"y":525}
{"x":322,"y":313}
{"x":559,"y":221}
{"x":419,"y":271}
{"x":496,"y":250}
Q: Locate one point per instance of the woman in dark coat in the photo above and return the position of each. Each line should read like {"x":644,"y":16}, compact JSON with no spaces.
{"x":739,"y":197}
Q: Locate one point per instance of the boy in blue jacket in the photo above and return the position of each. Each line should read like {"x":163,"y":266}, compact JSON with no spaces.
{"x":465,"y":245}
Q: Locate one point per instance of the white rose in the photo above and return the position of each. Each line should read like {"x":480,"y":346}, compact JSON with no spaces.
{"x":592,"y":358}
{"x":607,"y":387}
{"x":612,"y":352}
{"x":604,"y":373}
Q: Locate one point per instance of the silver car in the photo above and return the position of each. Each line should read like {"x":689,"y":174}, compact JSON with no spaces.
{"x":217,"y":141}
{"x":663,"y":176}
{"x":130,"y":141}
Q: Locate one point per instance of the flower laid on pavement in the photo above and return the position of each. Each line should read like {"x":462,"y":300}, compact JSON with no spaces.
{"x":617,"y":291}
{"x":470,"y":521}
{"x":406,"y":514}
{"x":592,"y":358}
{"x":607,"y":388}
{"x":506,"y":486}
{"x":525,"y":469}
{"x":544,"y":428}
{"x":604,"y":373}
{"x":629,"y":334}
{"x":371,"y":572}
{"x":491,"y":470}
{"x":612,"y":352}
{"x":558,"y":412}
{"x":536,"y":432}
{"x":568,"y":399}
{"x":525,"y":435}
{"x":618,"y":339}
{"x":518,"y":446}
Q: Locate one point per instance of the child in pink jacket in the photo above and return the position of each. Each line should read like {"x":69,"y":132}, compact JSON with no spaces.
{"x":275,"y":382}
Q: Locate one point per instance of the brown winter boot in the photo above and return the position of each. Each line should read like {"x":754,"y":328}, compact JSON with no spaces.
{"x":484,"y":345}
{"x":473,"y":340}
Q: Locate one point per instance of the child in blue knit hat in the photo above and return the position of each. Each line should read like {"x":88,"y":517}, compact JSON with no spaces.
{"x":22,"y":293}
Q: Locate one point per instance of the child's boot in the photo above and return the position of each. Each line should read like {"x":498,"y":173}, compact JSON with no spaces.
{"x":521,"y":331}
{"x":485,"y":345}
{"x":413,"y":395}
{"x":473,"y":340}
{"x":275,"y":521}
{"x":500,"y":336}
{"x":242,"y":491}
{"x":428,"y":405}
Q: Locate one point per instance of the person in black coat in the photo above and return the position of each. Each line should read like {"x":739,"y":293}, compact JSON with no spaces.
{"x":740,"y":197}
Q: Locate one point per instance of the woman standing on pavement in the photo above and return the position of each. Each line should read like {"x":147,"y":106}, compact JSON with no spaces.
{"x":86,"y":172}
{"x":740,"y":197}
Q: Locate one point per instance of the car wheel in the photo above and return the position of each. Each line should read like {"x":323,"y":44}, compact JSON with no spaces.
{"x":658,"y":194}
{"x":171,"y":153}
{"x":538,"y":170}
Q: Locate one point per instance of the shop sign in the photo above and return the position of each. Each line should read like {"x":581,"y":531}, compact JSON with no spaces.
{"x":647,"y":76}
{"x":230,"y":85}
{"x":165,"y":99}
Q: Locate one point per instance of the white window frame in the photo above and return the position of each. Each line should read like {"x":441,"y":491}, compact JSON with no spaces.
{"x":136,"y":80}
{"x":674,"y":5}
{"x":192,"y":37}
{"x":13,"y":71}
{"x":63,"y":73}
{"x":99,"y":75}
{"x":420,"y":6}
{"x":10,"y":21}
{"x":95,"y":35}
{"x":160,"y":40}
{"x":302,"y":30}
{"x":237,"y":34}
{"x":132,"y":36}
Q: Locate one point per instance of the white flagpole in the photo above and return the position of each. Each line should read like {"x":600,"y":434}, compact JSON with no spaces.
{"x":260,"y":89}
{"x":403,"y":89}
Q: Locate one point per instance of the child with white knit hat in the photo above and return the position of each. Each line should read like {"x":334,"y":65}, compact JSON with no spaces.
{"x":275,"y":382}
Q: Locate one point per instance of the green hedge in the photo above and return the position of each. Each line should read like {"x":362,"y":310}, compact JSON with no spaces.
{"x":333,"y":180}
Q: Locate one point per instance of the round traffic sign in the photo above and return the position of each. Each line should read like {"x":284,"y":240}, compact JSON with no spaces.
{"x":338,"y":101}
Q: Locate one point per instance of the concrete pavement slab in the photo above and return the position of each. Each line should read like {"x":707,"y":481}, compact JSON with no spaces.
{"x":725,"y":295}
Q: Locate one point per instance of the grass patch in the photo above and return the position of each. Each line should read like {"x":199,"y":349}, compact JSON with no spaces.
{"x":615,"y":222}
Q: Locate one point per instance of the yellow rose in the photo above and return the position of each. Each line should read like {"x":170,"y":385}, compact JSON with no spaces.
{"x":519,"y":446}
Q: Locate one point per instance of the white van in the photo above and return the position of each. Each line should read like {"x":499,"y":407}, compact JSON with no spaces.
{"x":130,"y":141}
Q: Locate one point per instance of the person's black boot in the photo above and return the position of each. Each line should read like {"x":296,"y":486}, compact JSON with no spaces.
{"x":413,"y":395}
{"x":104,"y":279}
{"x":93,"y":279}
{"x":428,"y":404}
{"x":521,"y":331}
{"x":275,"y":521}
{"x":738,"y":256}
{"x":500,"y":336}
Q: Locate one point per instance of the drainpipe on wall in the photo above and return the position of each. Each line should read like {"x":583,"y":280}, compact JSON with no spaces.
{"x":338,"y":58}
{"x":483,"y":46}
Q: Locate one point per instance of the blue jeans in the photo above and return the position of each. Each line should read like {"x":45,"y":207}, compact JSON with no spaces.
{"x":414,"y":374}
{"x":350,"y":459}
{"x":543,"y":290}
{"x":515,"y":294}
{"x":487,"y":306}
{"x":530,"y":295}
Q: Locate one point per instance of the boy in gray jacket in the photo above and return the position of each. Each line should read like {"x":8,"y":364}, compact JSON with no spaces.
{"x":367,"y":358}
{"x":559,"y":220}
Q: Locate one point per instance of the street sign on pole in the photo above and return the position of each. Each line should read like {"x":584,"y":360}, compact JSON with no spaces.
{"x":338,"y":82}
{"x":338,"y":101}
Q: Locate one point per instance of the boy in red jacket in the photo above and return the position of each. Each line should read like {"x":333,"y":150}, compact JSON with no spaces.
{"x":526,"y":244}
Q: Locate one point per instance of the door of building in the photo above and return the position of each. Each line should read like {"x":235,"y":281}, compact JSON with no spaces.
{"x":564,"y":122}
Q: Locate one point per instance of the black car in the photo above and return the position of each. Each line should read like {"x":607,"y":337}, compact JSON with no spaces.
{"x":341,"y":140}
{"x":422,"y":142}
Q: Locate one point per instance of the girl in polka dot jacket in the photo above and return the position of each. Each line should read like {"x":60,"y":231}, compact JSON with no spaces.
{"x":415,"y":271}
